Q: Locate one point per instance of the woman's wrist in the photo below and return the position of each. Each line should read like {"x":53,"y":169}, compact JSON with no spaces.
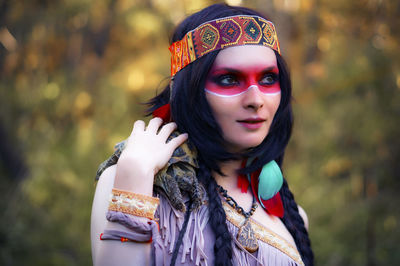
{"x":134,"y":177}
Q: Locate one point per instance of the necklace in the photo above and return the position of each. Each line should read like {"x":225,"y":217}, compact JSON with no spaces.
{"x":245,"y":236}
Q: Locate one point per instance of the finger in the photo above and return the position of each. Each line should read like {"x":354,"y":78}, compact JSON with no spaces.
{"x":176,"y":142}
{"x":138,"y":126}
{"x":167,"y":129}
{"x":154,"y":124}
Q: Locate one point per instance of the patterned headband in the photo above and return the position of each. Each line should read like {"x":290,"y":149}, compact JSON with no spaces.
{"x":220,"y":33}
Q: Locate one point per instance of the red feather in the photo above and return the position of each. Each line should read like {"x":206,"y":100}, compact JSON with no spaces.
{"x":274,"y":205}
{"x":164,"y":112}
{"x":254,"y":182}
{"x":243,"y":182}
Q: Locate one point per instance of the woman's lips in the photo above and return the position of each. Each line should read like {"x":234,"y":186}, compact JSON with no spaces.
{"x":252,"y":123}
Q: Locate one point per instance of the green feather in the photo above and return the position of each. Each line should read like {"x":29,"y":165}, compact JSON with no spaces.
{"x":270,"y":180}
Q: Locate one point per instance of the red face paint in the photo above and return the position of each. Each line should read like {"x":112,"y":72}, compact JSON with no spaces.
{"x":230,"y":82}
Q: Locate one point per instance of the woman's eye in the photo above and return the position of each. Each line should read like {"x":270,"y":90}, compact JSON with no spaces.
{"x":227,"y":80}
{"x":269,"y":79}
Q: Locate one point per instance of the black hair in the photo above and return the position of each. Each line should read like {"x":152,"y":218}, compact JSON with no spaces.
{"x":192,"y":113}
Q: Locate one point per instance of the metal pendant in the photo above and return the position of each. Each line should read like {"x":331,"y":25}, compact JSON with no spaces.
{"x":246,"y":237}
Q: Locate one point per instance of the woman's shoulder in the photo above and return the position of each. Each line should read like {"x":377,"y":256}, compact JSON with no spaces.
{"x":303,"y":215}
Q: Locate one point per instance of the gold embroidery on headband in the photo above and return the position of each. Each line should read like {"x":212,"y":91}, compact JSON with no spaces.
{"x":220,"y":33}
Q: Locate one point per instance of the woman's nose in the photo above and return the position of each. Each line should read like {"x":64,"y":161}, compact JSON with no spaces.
{"x":253,"y":98}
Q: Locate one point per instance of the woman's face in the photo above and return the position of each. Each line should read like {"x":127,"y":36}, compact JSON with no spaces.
{"x":243,"y":91}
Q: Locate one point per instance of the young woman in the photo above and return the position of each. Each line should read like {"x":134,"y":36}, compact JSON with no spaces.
{"x":214,"y":195}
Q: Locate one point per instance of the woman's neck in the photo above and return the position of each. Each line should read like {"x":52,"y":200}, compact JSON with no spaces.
{"x":229,"y":180}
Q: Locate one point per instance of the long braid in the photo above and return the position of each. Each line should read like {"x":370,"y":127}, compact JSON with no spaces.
{"x":295,"y":224}
{"x":223,"y":240}
{"x":181,"y":234}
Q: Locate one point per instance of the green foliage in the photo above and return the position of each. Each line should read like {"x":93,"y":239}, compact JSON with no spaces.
{"x":73,"y":75}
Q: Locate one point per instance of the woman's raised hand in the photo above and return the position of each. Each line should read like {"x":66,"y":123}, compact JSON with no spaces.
{"x":146,"y":152}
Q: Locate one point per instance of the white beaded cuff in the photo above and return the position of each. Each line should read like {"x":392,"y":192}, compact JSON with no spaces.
{"x":132,"y":203}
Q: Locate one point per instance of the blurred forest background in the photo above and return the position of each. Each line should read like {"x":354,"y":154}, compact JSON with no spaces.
{"x":74,"y":72}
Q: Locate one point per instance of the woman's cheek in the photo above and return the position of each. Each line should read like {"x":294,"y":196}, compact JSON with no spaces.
{"x":224,"y":91}
{"x":271,"y":90}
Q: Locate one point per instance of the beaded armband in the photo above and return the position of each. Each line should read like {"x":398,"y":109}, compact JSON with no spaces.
{"x":132,"y":203}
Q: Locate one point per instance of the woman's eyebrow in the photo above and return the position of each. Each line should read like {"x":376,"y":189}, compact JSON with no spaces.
{"x":226,"y":69}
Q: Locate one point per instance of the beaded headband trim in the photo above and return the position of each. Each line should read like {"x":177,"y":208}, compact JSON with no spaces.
{"x":220,"y":33}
